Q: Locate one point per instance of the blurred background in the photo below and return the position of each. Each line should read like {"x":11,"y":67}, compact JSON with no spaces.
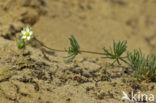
{"x":95,"y":23}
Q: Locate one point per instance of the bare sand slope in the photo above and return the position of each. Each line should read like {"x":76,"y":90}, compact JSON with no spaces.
{"x":41,"y":76}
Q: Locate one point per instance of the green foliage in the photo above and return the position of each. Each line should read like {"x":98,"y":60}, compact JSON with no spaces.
{"x":144,"y":67}
{"x":73,"y":50}
{"x":136,"y":58}
{"x":151,"y":64}
{"x":21,"y":44}
{"x":118,"y":49}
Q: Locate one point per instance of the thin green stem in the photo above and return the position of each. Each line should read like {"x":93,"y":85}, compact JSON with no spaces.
{"x":82,"y":51}
{"x":42,"y":44}
{"x":127,"y":62}
{"x":54,"y":49}
{"x":91,"y":52}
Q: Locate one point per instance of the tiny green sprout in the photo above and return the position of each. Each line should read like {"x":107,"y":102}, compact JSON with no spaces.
{"x":26,"y":35}
{"x":138,"y":61}
{"x":144,"y":66}
{"x":21,"y":44}
{"x":151,"y":64}
{"x":73,"y":50}
{"x":118,"y":49}
{"x":136,"y":58}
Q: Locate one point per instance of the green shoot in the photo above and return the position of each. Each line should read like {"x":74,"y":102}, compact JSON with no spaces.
{"x":151,"y":64}
{"x":118,"y":49}
{"x":73,"y":51}
{"x":136,"y":58}
{"x":144,"y":66}
{"x":21,"y":44}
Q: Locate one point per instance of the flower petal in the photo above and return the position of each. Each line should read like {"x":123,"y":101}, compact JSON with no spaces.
{"x":31,"y":33}
{"x":28,"y":38}
{"x":23,"y":32}
{"x":24,"y":37}
{"x":27,"y":29}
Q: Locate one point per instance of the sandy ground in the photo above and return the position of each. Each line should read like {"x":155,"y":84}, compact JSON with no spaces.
{"x":37,"y":75}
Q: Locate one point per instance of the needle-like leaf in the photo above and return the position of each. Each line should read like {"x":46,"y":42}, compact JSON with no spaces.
{"x":73,"y":50}
{"x":118,"y":49}
{"x":145,"y":66}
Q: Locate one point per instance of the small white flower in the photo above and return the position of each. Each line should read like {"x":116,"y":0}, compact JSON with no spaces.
{"x":26,"y":33}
